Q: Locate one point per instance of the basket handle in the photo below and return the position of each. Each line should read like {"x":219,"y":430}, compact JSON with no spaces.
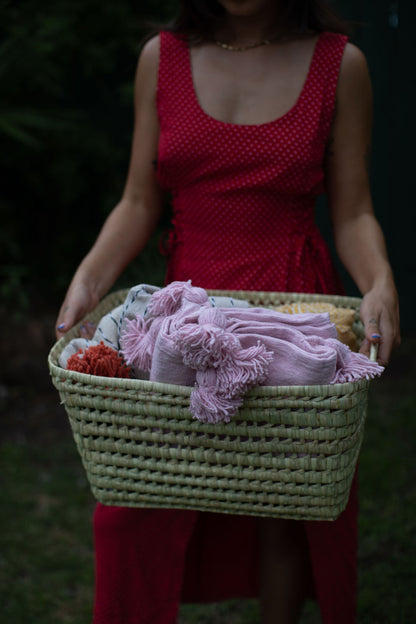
{"x":373,"y":351}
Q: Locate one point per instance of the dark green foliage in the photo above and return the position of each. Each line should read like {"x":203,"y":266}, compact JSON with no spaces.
{"x":66,"y":116}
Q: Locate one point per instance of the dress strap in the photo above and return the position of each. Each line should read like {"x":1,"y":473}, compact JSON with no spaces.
{"x":172,"y":63}
{"x":327,"y":65}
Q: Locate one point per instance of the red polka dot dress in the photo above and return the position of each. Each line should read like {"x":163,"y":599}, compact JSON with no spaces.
{"x":243,"y":195}
{"x":243,"y":218}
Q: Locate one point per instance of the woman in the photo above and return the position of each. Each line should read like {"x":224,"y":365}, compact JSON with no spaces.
{"x":245,"y":112}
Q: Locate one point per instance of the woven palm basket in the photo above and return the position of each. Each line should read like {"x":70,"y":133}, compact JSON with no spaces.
{"x":290,"y":452}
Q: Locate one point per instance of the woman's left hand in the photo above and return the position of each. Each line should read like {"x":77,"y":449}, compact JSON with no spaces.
{"x":380,"y":315}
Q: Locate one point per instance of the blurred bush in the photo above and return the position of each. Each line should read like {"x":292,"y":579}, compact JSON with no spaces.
{"x":66,"y":118}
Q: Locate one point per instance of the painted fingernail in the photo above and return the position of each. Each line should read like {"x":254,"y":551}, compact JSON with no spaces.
{"x":375,"y":336}
{"x":61,"y":326}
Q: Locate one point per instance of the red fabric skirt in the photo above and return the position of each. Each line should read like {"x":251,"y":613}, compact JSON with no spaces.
{"x":148,"y":561}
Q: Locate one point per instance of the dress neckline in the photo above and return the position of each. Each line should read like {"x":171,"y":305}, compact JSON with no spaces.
{"x":276,"y":120}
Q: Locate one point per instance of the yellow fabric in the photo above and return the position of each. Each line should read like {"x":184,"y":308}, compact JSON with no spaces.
{"x":343,"y":318}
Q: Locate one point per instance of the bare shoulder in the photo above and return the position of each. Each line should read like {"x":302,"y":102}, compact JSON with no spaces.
{"x":354,"y":68}
{"x":150,"y":50}
{"x":354,"y":83}
{"x":148,"y":63}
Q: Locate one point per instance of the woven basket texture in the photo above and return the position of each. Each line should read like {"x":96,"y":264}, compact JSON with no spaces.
{"x":290,"y":452}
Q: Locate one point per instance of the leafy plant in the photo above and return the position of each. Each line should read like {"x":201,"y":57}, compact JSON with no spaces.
{"x":66,"y":116}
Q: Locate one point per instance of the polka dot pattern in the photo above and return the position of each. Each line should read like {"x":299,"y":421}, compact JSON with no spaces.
{"x":244,"y":195}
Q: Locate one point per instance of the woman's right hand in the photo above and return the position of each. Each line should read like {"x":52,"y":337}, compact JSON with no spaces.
{"x":78,"y":302}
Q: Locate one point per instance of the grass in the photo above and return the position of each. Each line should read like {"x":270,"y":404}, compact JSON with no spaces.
{"x":46,"y":572}
{"x":46,"y":553}
{"x":388,"y":508}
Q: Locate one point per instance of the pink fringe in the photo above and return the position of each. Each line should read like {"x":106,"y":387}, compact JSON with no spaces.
{"x":205,"y":346}
{"x":210,"y":407}
{"x":136,"y":344}
{"x":170,"y":299}
{"x":225,"y":370}
{"x":247,"y":368}
{"x":354,"y":366}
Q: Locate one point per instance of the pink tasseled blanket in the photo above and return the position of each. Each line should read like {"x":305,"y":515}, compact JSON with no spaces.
{"x":223,"y":352}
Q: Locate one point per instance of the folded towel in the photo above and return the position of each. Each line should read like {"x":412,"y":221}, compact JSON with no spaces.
{"x":343,"y":318}
{"x":226,"y":351}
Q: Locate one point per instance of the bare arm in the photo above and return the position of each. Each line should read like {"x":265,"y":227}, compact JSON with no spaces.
{"x":358,"y":237}
{"x":131,"y":223}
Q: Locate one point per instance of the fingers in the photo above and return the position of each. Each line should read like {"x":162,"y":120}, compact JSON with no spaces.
{"x":381,"y":331}
{"x":66,"y":320}
{"x":69,"y":315}
{"x":374,"y":334}
{"x":372,"y":329}
{"x":79,"y":300}
{"x":87,"y":330}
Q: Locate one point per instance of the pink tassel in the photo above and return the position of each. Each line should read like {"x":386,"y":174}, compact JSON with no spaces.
{"x":137,"y":344}
{"x":352,"y":366}
{"x":169,"y":300}
{"x":358,"y":367}
{"x":205,"y":346}
{"x":225,"y":370}
{"x":209,"y":407}
{"x":248,"y":367}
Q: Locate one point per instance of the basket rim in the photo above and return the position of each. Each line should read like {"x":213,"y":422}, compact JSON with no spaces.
{"x":342,"y":301}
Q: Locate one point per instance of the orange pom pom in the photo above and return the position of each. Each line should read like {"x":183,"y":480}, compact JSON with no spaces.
{"x":99,"y":360}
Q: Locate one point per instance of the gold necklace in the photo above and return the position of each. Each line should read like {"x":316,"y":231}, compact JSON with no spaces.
{"x":227,"y":46}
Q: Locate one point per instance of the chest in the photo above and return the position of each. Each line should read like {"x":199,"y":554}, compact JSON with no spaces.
{"x":251,"y":87}
{"x":228,"y":125}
